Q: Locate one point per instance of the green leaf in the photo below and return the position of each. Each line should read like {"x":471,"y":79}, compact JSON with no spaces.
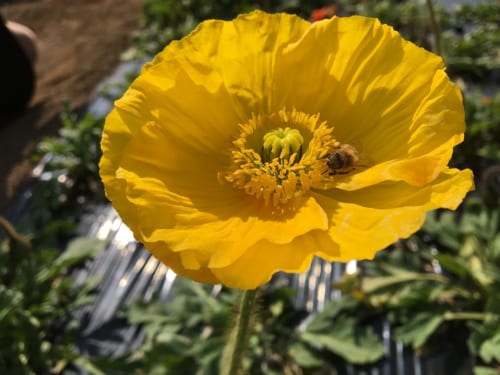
{"x":355,"y":343}
{"x":77,"y":251}
{"x":490,"y":349}
{"x":304,"y":356}
{"x":419,"y":329}
{"x":371,"y":284}
{"x":494,"y":249}
{"x":454,"y":264}
{"x":393,"y":269}
{"x":152,"y":313}
{"x":482,"y":370}
{"x":9,"y":300}
{"x":86,"y":364}
{"x":445,"y":229}
{"x":484,"y":340}
{"x":322,"y":320}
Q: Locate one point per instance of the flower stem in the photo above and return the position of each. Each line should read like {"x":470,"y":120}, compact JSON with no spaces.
{"x":449,"y":315}
{"x":233,"y":352}
{"x":436,"y":31}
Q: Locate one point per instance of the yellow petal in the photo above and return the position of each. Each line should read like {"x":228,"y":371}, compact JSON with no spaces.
{"x":446,"y":191}
{"x":170,"y":137}
{"x":381,"y":93}
{"x":222,"y":241}
{"x":242,"y":51}
{"x":153,"y":167}
{"x":188,"y":98}
{"x":263,"y":259}
{"x":192,"y":209}
{"x":367,"y":220}
{"x":361,"y":231}
{"x":176,"y":263}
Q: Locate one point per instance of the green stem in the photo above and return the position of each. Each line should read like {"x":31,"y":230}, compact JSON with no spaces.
{"x":467,"y":316}
{"x":435,"y":28}
{"x":233,"y":352}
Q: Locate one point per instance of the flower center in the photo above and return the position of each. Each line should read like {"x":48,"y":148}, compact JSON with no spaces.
{"x":282,"y":143}
{"x":279,"y":157}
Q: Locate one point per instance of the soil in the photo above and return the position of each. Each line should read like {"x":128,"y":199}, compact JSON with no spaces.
{"x":80,"y":43}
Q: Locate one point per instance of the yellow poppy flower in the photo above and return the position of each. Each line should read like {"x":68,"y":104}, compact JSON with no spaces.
{"x":253,"y":145}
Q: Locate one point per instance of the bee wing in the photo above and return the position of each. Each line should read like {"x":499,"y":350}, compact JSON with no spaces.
{"x":364,"y":160}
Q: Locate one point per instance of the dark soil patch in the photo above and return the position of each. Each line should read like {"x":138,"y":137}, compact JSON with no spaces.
{"x":80,"y":42}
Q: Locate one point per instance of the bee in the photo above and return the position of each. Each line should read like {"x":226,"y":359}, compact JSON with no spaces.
{"x":343,"y":160}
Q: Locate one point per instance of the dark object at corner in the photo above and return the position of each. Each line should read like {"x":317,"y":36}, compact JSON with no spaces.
{"x":17,"y":78}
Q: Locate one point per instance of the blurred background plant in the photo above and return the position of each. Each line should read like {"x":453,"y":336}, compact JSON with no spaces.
{"x":38,"y":295}
{"x":437,"y":291}
{"x":37,"y":299}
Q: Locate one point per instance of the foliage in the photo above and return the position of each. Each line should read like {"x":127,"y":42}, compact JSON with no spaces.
{"x":76,"y":152}
{"x":432,"y":295}
{"x":470,"y":34}
{"x":482,"y":137}
{"x":66,"y":177}
{"x":338,"y":331}
{"x":472,"y":40}
{"x":36,"y":301}
{"x":180,"y":343}
{"x":429,"y":297}
{"x":37,"y":294}
{"x":167,"y":20}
